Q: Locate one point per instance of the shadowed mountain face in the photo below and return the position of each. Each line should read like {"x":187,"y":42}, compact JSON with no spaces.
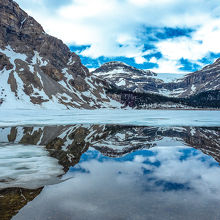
{"x":38,"y":70}
{"x":40,"y":156}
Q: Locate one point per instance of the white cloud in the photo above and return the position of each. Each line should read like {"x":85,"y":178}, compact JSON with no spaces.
{"x":139,"y":159}
{"x":113,"y":28}
{"x":140,"y":60}
{"x":202,"y":41}
{"x":153,"y":60}
{"x":168,"y":66}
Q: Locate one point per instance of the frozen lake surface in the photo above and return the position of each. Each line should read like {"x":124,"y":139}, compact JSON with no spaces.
{"x":122,"y":117}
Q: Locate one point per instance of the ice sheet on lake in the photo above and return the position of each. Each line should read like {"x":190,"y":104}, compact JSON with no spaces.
{"x":27,"y":167}
{"x":124,"y":117}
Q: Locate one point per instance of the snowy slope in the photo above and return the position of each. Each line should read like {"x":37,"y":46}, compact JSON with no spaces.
{"x":168,"y":84}
{"x":39,"y":71}
{"x":137,"y":80}
{"x":127,"y":77}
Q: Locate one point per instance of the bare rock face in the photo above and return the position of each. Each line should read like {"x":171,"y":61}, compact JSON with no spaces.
{"x":136,"y":80}
{"x":38,"y":70}
{"x":200,"y":81}
{"x":128,"y":77}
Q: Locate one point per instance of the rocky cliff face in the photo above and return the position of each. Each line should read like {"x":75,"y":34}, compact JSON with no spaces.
{"x":200,"y":81}
{"x":128,"y":78}
{"x":37,"y":69}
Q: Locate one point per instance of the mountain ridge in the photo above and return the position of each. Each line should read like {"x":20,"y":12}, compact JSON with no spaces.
{"x":38,"y":70}
{"x":204,"y":80}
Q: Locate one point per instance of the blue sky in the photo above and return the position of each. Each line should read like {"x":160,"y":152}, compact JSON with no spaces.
{"x":162,"y":35}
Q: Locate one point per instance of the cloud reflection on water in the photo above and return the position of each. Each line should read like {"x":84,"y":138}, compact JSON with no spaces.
{"x":161,"y":183}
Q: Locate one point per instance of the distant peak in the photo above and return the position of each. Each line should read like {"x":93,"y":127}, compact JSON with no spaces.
{"x":115,"y":63}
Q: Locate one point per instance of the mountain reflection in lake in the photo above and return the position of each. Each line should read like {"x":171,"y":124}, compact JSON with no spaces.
{"x":109,"y":172}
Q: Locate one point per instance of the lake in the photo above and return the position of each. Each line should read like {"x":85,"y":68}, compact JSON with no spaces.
{"x":145,"y":167}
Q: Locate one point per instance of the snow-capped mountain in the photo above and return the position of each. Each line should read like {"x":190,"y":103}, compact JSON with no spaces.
{"x":38,"y":70}
{"x":203,"y":80}
{"x":129,"y":78}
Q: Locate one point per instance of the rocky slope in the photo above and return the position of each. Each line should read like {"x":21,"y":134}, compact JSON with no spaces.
{"x":200,"y":81}
{"x":128,"y":78}
{"x":38,"y":70}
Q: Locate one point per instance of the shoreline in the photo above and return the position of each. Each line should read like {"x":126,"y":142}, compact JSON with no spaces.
{"x":183,"y":109}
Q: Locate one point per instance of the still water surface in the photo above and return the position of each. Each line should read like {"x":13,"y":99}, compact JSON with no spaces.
{"x":109,"y":172}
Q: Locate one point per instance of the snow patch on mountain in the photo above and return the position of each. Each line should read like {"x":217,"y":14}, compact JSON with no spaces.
{"x":19,"y":99}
